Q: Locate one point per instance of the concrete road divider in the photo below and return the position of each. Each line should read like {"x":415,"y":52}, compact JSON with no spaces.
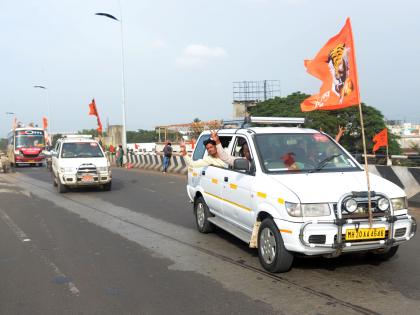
{"x":408,"y":178}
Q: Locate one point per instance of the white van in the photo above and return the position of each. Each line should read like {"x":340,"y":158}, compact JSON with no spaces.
{"x":79,"y":161}
{"x":298,"y":191}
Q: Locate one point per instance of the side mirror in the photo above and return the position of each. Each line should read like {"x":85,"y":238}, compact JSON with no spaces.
{"x":241,"y":165}
{"x":54,"y":153}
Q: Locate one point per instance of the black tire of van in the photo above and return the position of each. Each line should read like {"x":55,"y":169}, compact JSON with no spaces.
{"x":107,"y":186}
{"x":383,"y":254}
{"x":283,"y":259}
{"x":202,"y":213}
{"x":54,"y":179}
{"x":60,"y":187}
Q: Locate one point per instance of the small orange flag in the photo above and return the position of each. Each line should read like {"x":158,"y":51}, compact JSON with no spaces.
{"x":381,"y":140}
{"x":92,"y":108}
{"x":45,"y":123}
{"x":93,"y":111}
{"x":335,"y":66}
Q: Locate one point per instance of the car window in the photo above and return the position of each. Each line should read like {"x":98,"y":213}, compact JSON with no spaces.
{"x":81,"y":150}
{"x":242,"y":148}
{"x":199,"y":148}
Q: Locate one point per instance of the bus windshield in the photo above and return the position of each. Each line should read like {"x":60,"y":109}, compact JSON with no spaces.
{"x":29,"y":139}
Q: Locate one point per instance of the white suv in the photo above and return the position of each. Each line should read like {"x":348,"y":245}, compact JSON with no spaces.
{"x":79,"y":161}
{"x":297,"y":191}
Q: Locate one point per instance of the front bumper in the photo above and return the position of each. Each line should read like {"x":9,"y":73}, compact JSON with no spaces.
{"x":28,"y":160}
{"x":320,"y":237}
{"x":76,"y":180}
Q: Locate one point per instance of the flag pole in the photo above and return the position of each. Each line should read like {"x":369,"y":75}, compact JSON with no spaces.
{"x":353,"y":52}
{"x":366,"y":163}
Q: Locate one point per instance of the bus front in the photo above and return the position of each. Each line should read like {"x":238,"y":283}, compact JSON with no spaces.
{"x":28,"y":146}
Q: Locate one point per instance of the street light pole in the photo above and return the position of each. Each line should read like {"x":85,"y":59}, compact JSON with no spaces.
{"x":124,"y":132}
{"x":48,"y":106}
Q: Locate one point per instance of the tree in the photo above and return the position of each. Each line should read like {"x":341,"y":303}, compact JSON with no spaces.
{"x":92,"y":132}
{"x":328,"y":121}
{"x":141,"y":136}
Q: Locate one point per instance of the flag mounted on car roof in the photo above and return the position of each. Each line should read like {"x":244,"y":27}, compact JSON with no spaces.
{"x":335,"y":66}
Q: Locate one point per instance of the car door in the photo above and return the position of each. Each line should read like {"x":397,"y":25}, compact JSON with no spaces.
{"x":237,"y":188}
{"x":211,"y":178}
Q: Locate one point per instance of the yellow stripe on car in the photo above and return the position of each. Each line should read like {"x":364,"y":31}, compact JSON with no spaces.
{"x":281,"y":201}
{"x":231,"y":202}
{"x":261,"y":194}
{"x":214,"y":181}
{"x":233,"y":186}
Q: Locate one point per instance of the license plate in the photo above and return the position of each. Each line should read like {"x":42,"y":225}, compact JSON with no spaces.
{"x":31,"y":161}
{"x":365,"y":234}
{"x":87,"y":178}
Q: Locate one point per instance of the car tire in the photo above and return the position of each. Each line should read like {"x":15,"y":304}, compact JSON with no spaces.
{"x":383,"y":254}
{"x":60,"y":187}
{"x":273,"y":256}
{"x":202,"y":213}
{"x":107,"y":186}
{"x":54,"y":179}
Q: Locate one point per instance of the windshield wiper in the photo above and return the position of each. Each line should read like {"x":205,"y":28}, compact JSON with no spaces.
{"x":324,"y":162}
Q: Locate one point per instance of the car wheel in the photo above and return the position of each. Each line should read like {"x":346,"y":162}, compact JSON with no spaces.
{"x":383,"y":254}
{"x":107,"y":186}
{"x":202,"y":213}
{"x":60,"y":187}
{"x":273,"y":256}
{"x":54,"y":179}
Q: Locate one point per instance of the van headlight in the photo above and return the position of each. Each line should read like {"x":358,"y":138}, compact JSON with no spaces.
{"x":383,"y":204}
{"x":315,"y":209}
{"x":399,"y":203}
{"x":68,"y":170}
{"x":103,"y":169}
{"x":307,"y":209}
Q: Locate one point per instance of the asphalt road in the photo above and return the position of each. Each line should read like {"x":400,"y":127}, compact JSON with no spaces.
{"x":135,"y":250}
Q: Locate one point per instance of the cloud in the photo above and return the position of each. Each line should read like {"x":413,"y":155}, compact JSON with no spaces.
{"x":196,"y":55}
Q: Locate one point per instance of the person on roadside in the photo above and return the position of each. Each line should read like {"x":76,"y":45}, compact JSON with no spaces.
{"x":120,"y":156}
{"x":167,"y":154}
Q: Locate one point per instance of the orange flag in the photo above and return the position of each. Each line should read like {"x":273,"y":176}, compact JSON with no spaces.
{"x":381,"y":140}
{"x":45,"y":123}
{"x":93,"y":111}
{"x":335,"y":66}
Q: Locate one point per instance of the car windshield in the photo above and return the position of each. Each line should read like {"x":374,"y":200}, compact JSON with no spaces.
{"x":309,"y":152}
{"x":81,"y":150}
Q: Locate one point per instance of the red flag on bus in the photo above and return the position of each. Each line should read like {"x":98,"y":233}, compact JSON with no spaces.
{"x":335,"y":66}
{"x":381,"y":140}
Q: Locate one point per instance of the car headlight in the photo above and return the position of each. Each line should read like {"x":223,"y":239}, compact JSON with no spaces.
{"x":383,"y":204}
{"x":68,"y":170}
{"x":103,"y":169}
{"x":350,"y":205}
{"x":399,"y":203}
{"x":315,"y":209}
{"x":293,"y":209}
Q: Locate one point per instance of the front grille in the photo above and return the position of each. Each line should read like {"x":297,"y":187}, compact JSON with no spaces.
{"x":86,"y":169}
{"x":30,"y":155}
{"x":362,"y":206}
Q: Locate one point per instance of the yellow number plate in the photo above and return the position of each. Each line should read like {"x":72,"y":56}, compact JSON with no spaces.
{"x":87,"y":178}
{"x":365,"y":234}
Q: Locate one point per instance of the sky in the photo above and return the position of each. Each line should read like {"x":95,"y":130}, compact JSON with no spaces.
{"x":182,"y":56}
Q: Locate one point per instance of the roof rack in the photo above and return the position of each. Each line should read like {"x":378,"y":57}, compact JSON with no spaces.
{"x":245,"y":123}
{"x":78,"y":136}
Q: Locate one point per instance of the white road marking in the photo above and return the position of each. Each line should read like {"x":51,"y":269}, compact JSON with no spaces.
{"x":148,"y":189}
{"x":21,"y":235}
